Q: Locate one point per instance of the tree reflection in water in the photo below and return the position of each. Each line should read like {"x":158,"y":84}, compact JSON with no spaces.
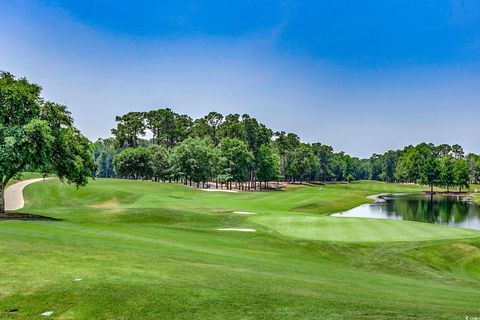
{"x":440,"y":209}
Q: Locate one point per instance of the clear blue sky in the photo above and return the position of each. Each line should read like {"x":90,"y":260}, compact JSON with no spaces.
{"x":362,"y":76}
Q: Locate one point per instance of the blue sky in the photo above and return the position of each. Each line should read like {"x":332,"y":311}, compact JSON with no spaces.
{"x":362,"y":76}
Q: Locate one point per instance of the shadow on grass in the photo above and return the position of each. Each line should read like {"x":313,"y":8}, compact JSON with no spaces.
{"x":25,"y":216}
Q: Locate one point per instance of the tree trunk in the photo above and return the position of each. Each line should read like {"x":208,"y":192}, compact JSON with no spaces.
{"x":2,"y":198}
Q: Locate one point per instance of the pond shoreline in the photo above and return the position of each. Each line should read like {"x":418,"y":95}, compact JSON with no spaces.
{"x":455,"y":210}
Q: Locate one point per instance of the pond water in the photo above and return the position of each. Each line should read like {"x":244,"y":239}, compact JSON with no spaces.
{"x":439,"y":209}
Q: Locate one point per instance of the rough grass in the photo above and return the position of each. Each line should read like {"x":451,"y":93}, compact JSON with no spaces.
{"x":151,"y":251}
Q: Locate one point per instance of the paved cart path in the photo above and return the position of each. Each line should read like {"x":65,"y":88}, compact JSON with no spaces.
{"x":14,"y":194}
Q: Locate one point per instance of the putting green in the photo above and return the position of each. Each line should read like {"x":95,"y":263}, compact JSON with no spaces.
{"x":359,"y":229}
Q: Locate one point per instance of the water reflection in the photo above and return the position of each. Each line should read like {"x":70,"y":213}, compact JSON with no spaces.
{"x":440,"y":209}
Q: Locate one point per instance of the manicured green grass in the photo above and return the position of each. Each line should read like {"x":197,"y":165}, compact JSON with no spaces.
{"x":146,"y":250}
{"x":25,"y":176}
{"x":359,"y":229}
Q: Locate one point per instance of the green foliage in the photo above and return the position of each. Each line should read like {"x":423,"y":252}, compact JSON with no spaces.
{"x":267,"y":168}
{"x":71,"y":156}
{"x":325,"y":154}
{"x":461,"y":173}
{"x":236,"y":161}
{"x":473,"y":167}
{"x":103,"y":153}
{"x":21,"y":145}
{"x":295,"y":160}
{"x":301,"y":163}
{"x":194,"y":159}
{"x":130,"y":126}
{"x":168,"y":127}
{"x":430,"y":171}
{"x":160,"y":162}
{"x":285,"y":144}
{"x":40,"y":135}
{"x":134,"y":163}
{"x":232,"y":127}
{"x":256,"y":134}
{"x":208,"y":127}
{"x":19,"y":100}
{"x":447,"y":178}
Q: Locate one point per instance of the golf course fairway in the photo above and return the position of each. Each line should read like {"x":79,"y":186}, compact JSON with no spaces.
{"x":124,"y":249}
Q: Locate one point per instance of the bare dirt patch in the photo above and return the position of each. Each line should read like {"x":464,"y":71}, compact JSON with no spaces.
{"x":110,"y":204}
{"x":219,"y":211}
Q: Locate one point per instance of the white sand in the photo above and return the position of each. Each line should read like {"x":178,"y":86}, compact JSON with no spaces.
{"x":243,"y":212}
{"x":14,"y":194}
{"x":47,"y":313}
{"x":235,"y":229}
{"x":219,"y":190}
{"x":78,"y":279}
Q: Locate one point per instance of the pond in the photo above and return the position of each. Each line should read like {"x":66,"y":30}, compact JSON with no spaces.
{"x":439,"y":209}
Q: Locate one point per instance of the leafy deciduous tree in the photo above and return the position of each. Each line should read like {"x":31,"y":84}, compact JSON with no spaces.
{"x":38,"y":134}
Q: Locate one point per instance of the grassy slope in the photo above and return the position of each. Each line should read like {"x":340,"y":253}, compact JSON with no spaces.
{"x":150,"y":251}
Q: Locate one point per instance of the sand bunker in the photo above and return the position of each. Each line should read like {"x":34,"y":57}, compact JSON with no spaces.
{"x":47,"y":313}
{"x":236,"y":229}
{"x":244,"y":212}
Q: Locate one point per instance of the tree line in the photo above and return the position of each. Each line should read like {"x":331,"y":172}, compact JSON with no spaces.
{"x":443,"y":166}
{"x":238,"y":151}
{"x":230,"y":151}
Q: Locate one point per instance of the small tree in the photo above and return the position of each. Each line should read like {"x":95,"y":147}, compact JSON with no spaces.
{"x":237,"y":159}
{"x":103,"y":153}
{"x":267,"y":165}
{"x":38,"y":134}
{"x":447,"y":172}
{"x":461,"y":174}
{"x":160,"y":162}
{"x":430,"y":172}
{"x":194,"y":160}
{"x":302,"y":162}
{"x":134,"y":163}
{"x":130,"y":128}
